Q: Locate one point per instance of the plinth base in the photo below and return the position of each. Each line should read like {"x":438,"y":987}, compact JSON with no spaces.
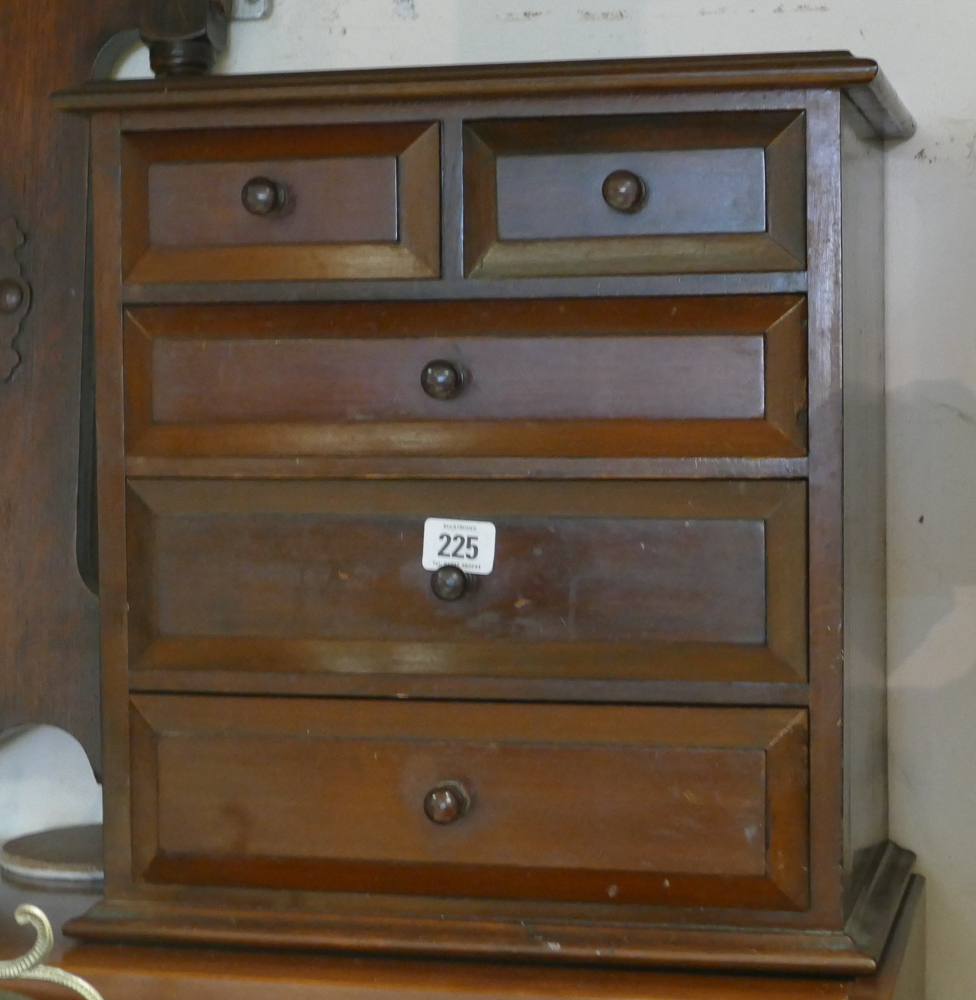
{"x":125,"y":972}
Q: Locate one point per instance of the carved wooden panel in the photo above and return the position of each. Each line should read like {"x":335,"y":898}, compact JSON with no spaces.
{"x":15,"y":296}
{"x":49,"y":655}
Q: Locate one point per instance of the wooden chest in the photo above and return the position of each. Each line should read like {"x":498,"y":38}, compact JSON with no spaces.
{"x":631,"y":315}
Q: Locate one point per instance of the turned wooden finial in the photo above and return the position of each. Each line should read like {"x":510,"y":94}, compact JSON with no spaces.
{"x":184,"y":36}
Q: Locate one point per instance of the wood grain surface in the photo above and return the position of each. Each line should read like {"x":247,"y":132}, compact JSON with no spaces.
{"x":172,"y":973}
{"x":683,"y":581}
{"x":706,"y":805}
{"x":726,"y":192}
{"x":362,"y":203}
{"x":722,"y":375}
{"x":256,"y":561}
{"x":862,"y":80}
{"x":48,"y":618}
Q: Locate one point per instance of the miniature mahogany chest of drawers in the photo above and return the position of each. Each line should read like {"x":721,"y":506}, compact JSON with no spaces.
{"x":631,"y":314}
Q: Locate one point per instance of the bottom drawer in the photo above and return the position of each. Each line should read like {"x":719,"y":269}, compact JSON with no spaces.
{"x":679,"y":806}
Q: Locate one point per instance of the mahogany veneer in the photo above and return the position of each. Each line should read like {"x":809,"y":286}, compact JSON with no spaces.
{"x":717,"y":376}
{"x":631,"y":313}
{"x":356,"y":203}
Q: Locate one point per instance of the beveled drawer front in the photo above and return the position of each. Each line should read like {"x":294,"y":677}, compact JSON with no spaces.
{"x":703,"y":377}
{"x":338,"y":201}
{"x":702,"y":191}
{"x":707,"y":806}
{"x":635,"y":194}
{"x":690,"y":581}
{"x":347,"y":199}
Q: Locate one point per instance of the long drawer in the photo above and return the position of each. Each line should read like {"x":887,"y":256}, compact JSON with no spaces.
{"x":697,"y":581}
{"x":721,"y":376}
{"x":686,"y":806}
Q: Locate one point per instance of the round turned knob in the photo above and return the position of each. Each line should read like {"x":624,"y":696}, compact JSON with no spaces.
{"x":262,"y":196}
{"x":624,"y":191}
{"x":449,"y":583}
{"x":442,"y":380}
{"x":11,"y":295}
{"x":446,"y":802}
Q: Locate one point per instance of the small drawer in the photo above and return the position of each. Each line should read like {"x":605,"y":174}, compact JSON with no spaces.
{"x":721,"y":376}
{"x":277,"y":204}
{"x":636,"y":194}
{"x":694,"y":581}
{"x":707,"y":806}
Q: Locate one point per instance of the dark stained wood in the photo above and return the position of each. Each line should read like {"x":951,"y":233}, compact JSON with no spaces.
{"x":140,"y":544}
{"x":826,"y":527}
{"x":221,"y":547}
{"x":113,"y":571}
{"x":705,"y":376}
{"x":563,"y":195}
{"x":706,"y":804}
{"x":676,"y":581}
{"x":882,"y":109}
{"x":348,"y":199}
{"x":876,"y":909}
{"x":865,"y":571}
{"x":456,"y":113}
{"x":363,"y":203}
{"x":535,"y":206}
{"x":145,"y":973}
{"x":299,"y":467}
{"x":529,"y":939}
{"x":901,"y":975}
{"x":786,"y":207}
{"x":48,"y":618}
{"x":639,"y":581}
{"x":453,"y":287}
{"x":451,"y":687}
{"x":15,"y":295}
{"x":866,"y":84}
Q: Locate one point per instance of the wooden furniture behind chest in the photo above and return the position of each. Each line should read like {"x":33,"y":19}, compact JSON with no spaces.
{"x":600,"y":305}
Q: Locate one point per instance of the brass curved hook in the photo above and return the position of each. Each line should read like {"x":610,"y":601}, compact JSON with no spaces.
{"x":31,"y":965}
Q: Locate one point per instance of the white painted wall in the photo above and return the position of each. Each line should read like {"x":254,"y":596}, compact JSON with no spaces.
{"x":46,"y":782}
{"x":926,"y":51}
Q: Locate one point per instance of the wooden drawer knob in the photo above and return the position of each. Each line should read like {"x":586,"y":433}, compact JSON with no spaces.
{"x":263,"y":196}
{"x":624,"y":191}
{"x":442,"y":380}
{"x":449,"y":583}
{"x":446,"y":802}
{"x":11,"y":295}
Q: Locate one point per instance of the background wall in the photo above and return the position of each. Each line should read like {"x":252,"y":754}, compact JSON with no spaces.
{"x":925,"y":49}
